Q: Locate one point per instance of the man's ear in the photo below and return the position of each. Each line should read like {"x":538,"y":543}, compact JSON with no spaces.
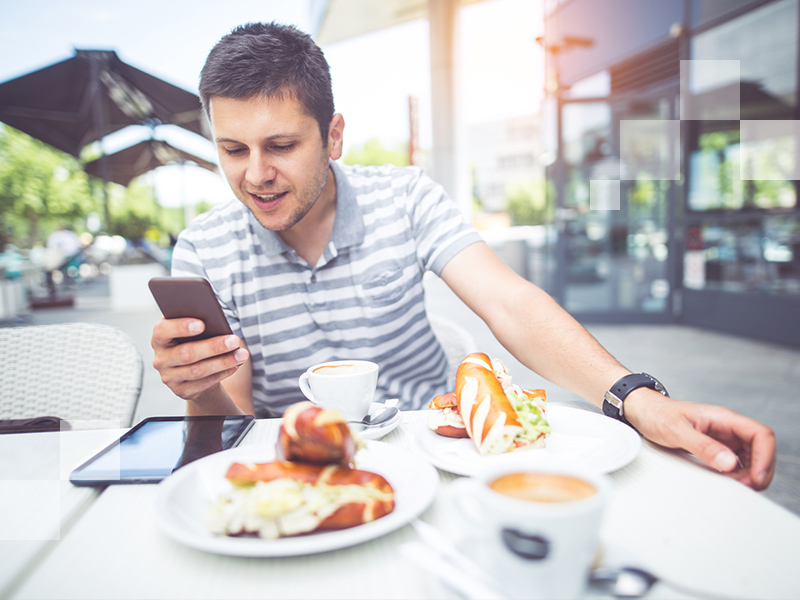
{"x":336,"y":136}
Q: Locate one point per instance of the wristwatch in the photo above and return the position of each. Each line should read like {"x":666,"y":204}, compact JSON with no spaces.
{"x":614,"y":399}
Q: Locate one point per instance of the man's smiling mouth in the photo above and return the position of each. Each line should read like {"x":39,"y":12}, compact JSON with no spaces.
{"x":268,"y":197}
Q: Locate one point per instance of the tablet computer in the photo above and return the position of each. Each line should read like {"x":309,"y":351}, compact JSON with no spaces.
{"x":157,"y":446}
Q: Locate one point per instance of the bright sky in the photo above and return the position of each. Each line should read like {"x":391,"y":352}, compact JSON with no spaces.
{"x":373,"y":74}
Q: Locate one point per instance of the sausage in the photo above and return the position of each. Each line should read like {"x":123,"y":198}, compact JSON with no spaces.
{"x":368,"y":495}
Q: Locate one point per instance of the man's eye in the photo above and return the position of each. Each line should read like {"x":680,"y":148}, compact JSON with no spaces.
{"x":233,"y":151}
{"x":283,"y":147}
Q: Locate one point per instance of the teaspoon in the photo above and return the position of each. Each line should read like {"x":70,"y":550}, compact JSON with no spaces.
{"x":385,"y":415}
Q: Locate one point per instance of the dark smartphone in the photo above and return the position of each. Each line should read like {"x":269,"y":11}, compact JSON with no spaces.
{"x":157,"y":446}
{"x":180,"y":297}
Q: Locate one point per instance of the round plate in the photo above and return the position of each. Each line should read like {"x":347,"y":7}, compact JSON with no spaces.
{"x":579,"y":439}
{"x":376,"y":433}
{"x":183,"y":498}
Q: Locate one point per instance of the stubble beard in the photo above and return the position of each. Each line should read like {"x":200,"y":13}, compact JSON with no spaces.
{"x":303,"y":207}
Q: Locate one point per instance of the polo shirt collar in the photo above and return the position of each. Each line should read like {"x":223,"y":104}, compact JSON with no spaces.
{"x":348,"y":226}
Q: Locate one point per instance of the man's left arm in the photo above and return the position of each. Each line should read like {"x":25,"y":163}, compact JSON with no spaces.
{"x":548,"y":340}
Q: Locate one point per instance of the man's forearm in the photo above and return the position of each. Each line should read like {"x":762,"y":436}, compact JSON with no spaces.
{"x":548,"y":340}
{"x":531,"y":325}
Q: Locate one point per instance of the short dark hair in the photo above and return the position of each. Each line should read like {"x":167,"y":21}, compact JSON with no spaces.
{"x":269,"y":60}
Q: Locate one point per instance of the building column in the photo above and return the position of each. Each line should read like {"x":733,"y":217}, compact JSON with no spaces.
{"x":447,"y":165}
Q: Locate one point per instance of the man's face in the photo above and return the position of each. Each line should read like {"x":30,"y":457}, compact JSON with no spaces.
{"x":273,"y":156}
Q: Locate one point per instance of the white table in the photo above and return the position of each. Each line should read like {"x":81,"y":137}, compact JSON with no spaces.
{"x":38,"y":504}
{"x":683,"y":521}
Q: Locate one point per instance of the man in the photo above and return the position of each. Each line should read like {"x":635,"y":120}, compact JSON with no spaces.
{"x":318,"y":262}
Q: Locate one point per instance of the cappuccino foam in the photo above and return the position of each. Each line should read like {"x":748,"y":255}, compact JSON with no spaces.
{"x":543,"y":487}
{"x":344,"y":369}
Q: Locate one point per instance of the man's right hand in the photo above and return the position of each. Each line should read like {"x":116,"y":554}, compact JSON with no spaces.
{"x":191,"y":368}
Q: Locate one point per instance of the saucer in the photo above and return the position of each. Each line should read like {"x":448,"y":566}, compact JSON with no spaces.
{"x":377,"y":432}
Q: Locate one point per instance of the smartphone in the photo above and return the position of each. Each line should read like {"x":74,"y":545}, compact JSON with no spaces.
{"x":157,"y":446}
{"x":180,"y":297}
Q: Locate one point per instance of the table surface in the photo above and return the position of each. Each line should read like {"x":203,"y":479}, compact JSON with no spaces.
{"x":667,"y":513}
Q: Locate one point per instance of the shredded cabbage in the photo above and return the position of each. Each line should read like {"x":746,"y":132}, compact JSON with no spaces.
{"x":529,"y":410}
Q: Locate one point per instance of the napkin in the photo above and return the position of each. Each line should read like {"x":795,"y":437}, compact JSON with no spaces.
{"x":33,"y":425}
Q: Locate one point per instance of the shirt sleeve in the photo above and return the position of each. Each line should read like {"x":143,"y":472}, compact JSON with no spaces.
{"x":441,"y":229}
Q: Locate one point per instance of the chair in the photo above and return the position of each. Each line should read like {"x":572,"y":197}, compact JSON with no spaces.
{"x":456,"y":341}
{"x":75,"y":371}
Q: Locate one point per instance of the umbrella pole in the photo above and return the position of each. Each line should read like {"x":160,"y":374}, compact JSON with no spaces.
{"x":99,"y":123}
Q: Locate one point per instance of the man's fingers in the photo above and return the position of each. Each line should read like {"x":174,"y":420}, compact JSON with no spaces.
{"x":713,"y":453}
{"x":167,"y":330}
{"x":189,"y":369}
{"x":755,"y":444}
{"x":762,"y":466}
{"x":193,"y":388}
{"x":191,"y":353}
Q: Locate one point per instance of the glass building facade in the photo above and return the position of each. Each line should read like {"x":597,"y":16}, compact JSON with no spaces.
{"x":676,"y":162}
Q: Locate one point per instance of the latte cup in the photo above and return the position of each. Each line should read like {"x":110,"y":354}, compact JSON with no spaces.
{"x":536,"y":532}
{"x":347,"y":386}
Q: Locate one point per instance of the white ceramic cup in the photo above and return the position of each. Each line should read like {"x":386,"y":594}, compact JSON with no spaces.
{"x":347,"y":386}
{"x":535,"y":549}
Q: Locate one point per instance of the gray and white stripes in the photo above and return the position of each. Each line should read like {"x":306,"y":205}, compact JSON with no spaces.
{"x":363,"y":299}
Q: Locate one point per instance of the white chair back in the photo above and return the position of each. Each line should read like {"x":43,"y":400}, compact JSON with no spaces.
{"x":75,"y":371}
{"x":456,"y":341}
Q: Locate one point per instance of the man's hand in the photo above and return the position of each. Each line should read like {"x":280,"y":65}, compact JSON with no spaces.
{"x":722,"y":439}
{"x":192,"y":368}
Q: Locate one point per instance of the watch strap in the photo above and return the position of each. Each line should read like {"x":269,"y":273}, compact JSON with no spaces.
{"x":613,"y":402}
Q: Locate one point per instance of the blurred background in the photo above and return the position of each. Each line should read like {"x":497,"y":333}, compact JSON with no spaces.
{"x":519,"y":108}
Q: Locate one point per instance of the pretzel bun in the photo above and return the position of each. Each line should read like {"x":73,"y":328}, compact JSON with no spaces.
{"x":282,"y":498}
{"x":314,"y":435}
{"x":489,"y":417}
{"x":445,"y":419}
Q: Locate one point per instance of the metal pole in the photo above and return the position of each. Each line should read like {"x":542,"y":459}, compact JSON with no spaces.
{"x":99,"y":125}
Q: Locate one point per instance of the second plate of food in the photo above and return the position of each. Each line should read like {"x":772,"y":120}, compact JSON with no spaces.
{"x":579,"y":440}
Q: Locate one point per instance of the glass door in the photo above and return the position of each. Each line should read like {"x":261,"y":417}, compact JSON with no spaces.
{"x":617,"y":204}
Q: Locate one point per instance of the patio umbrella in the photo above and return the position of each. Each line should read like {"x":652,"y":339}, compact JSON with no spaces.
{"x":127,"y":164}
{"x":84,"y":98}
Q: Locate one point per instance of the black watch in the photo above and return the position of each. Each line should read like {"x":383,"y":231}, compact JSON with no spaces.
{"x":614,"y":399}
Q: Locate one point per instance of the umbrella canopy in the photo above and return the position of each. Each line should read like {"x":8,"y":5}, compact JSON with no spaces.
{"x":127,"y":164}
{"x":82,"y":99}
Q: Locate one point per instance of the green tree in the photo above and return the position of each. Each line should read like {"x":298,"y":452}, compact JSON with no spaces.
{"x":39,"y":187}
{"x":373,"y":152}
{"x":526,"y":203}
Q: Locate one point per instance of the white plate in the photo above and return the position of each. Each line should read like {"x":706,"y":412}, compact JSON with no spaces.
{"x":183,"y":498}
{"x":376,"y":433}
{"x":579,"y":440}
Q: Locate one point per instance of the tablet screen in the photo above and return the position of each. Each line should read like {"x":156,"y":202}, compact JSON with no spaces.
{"x":157,"y":446}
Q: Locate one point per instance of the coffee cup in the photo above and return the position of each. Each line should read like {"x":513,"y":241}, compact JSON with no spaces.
{"x":537,"y":532}
{"x":347,"y":386}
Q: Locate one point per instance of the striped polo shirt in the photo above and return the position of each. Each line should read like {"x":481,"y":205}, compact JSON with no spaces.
{"x":362,"y":300}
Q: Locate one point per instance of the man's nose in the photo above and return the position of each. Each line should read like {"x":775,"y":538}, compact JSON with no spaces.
{"x":260,"y":169}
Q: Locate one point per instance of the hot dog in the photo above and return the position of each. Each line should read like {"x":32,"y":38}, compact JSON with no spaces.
{"x":445,"y":419}
{"x":315,"y":435}
{"x":498,"y":416}
{"x":282,"y":498}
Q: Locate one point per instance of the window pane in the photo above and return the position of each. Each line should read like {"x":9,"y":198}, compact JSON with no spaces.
{"x":749,"y":256}
{"x":765,"y":42}
{"x":704,"y":11}
{"x":716,"y":182}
